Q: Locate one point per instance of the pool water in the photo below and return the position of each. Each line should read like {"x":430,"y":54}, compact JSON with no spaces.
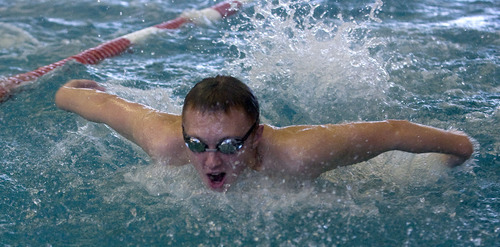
{"x":67,"y":181}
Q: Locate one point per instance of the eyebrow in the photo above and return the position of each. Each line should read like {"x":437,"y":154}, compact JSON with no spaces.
{"x":204,"y":141}
{"x":244,"y":137}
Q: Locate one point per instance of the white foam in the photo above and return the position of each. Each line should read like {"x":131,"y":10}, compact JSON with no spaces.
{"x":12,"y":36}
{"x":18,"y":41}
{"x":314,"y":67}
{"x":158,"y":98}
{"x":394,"y":168}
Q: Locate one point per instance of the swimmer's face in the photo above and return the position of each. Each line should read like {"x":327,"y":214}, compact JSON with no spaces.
{"x":218,"y":170}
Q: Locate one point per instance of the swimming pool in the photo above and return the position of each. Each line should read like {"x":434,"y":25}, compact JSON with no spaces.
{"x":66,"y":181}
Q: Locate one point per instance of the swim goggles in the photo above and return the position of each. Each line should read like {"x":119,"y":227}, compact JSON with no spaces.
{"x":225,"y":146}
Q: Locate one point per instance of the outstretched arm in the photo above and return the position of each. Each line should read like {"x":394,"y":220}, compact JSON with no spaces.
{"x":146,"y":127}
{"x":312,"y":150}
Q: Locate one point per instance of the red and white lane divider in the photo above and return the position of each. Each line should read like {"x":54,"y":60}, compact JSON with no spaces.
{"x":119,"y":45}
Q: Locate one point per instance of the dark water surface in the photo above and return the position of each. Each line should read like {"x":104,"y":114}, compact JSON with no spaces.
{"x":66,"y":181}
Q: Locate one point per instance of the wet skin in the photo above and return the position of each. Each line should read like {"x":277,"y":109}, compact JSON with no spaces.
{"x":303,"y":151}
{"x":217,"y":170}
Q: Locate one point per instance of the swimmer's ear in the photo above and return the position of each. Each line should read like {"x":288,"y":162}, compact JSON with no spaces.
{"x":257,"y":135}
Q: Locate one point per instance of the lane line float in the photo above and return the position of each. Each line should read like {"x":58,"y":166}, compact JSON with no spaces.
{"x":117,"y":46}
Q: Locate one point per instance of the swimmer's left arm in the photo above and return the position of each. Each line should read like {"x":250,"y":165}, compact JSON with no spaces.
{"x":312,"y":150}
{"x":417,"y":138}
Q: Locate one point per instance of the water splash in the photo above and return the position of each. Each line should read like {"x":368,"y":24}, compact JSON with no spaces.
{"x":307,"y":66}
{"x":15,"y":41}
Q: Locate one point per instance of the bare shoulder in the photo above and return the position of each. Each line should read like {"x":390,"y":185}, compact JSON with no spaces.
{"x":160,"y":135}
{"x":310,"y":150}
{"x":291,"y":150}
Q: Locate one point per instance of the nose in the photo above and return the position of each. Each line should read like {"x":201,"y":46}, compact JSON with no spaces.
{"x":212,"y":160}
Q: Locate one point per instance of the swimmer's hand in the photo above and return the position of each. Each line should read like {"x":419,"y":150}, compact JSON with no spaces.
{"x":81,"y":83}
{"x":462,"y":150}
{"x":81,"y":96}
{"x":453,"y":160}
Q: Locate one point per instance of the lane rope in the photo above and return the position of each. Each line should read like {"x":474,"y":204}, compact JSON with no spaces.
{"x":117,"y":46}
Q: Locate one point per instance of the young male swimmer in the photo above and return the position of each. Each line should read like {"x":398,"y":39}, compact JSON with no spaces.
{"x":219,"y":133}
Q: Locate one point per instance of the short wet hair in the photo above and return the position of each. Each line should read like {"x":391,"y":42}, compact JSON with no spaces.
{"x":222,"y":93}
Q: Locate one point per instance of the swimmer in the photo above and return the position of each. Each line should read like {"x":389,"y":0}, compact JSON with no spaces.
{"x":220,"y":134}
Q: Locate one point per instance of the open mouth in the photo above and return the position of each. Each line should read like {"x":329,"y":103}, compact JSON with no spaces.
{"x":216,"y":179}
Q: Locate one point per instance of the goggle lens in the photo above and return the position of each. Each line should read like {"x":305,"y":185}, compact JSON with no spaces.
{"x":196,"y":145}
{"x":229,"y":146}
{"x":226,"y":146}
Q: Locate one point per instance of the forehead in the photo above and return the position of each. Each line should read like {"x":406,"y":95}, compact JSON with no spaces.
{"x":230,"y":123}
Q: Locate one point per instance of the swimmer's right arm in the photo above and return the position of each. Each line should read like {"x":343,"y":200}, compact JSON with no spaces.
{"x":144,"y":126}
{"x":89,"y":100}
